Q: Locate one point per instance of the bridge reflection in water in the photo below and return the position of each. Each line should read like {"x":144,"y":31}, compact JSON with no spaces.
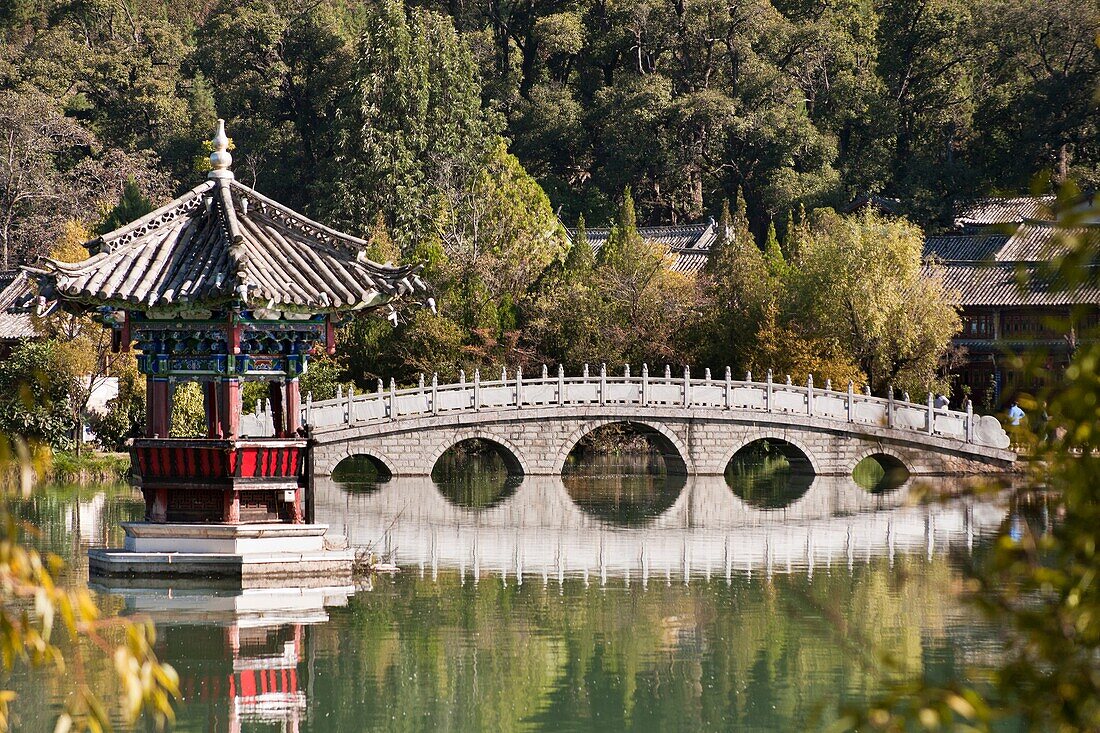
{"x":688,"y":527}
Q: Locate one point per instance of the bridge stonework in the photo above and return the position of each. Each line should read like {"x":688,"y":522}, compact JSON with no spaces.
{"x":697,"y":441}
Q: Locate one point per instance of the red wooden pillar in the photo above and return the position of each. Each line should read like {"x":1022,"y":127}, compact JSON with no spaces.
{"x":158,"y":408}
{"x":230,"y":408}
{"x":210,"y":405}
{"x":293,"y":408}
{"x":275,"y":394}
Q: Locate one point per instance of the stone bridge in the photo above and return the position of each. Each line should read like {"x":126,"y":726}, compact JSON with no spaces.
{"x":697,"y":424}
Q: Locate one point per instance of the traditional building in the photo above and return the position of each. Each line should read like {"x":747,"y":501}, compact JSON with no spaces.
{"x":688,"y":245}
{"x":999,"y":259}
{"x":221,"y":286}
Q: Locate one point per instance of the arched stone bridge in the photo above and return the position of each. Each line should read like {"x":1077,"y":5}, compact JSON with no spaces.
{"x":698,"y":424}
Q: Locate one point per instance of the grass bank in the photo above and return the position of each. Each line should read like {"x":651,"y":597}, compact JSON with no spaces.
{"x":68,"y":468}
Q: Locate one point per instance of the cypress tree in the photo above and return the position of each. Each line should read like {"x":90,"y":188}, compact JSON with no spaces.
{"x":580,"y":259}
{"x":624,"y":238}
{"x":722,"y":241}
{"x":773,"y":255}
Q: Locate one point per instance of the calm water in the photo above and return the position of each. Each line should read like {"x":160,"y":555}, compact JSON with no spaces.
{"x":614,"y":598}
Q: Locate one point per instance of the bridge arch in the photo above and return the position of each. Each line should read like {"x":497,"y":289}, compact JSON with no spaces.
{"x":675,"y":453}
{"x":381,"y":462}
{"x":799,"y":454}
{"x":893,"y":463}
{"x":513,"y":457}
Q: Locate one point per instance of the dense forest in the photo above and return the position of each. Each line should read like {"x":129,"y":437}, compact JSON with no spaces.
{"x":462,"y":134}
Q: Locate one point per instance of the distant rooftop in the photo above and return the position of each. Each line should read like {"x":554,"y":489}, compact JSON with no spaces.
{"x":688,"y":244}
{"x":994,"y":211}
{"x":16,"y":303}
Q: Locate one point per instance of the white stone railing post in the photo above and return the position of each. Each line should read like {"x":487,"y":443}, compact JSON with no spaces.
{"x":504,"y":375}
{"x":687,"y":385}
{"x":519,"y":387}
{"x":810,"y":395}
{"x":351,"y":405}
{"x":729,"y":388}
{"x":477,"y":389}
{"x":668,"y":373}
{"x":435,"y":393}
{"x":381,"y":388}
{"x":393,"y":399}
{"x":462,"y":377}
{"x":584,"y":374}
{"x":626,"y":371}
{"x":851,"y":399}
{"x":706,"y":376}
{"x":969,"y":421}
{"x":890,"y":406}
{"x":768,"y":392}
{"x":931,"y":414}
{"x":561,"y":384}
{"x":645,"y":385}
{"x":309,"y":408}
{"x":544,"y":373}
{"x":603,"y":382}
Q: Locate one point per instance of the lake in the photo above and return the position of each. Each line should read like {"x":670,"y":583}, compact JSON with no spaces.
{"x":612,"y":598}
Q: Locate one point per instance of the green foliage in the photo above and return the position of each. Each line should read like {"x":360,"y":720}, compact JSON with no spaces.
{"x":34,"y":394}
{"x":125,"y":415}
{"x":321,"y":379}
{"x":188,"y":412}
{"x":861,"y":284}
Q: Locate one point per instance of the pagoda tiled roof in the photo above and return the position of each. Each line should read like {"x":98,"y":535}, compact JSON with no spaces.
{"x":689,"y":244}
{"x":223,"y":241}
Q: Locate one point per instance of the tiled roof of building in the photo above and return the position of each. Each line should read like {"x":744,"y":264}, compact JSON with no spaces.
{"x":999,"y":210}
{"x":16,"y":301}
{"x":689,"y":244}
{"x":223,"y":242}
{"x":1010,"y":284}
{"x":1042,"y":241}
{"x":964,"y":247}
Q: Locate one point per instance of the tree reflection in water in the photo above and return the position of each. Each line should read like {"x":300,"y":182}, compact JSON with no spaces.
{"x":474,"y":475}
{"x":763,"y":475}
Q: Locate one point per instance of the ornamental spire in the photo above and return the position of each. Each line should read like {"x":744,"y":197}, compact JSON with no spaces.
{"x":220,"y":159}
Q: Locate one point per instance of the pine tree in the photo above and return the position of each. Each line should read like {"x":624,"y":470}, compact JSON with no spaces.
{"x":580,"y":259}
{"x":133,"y":205}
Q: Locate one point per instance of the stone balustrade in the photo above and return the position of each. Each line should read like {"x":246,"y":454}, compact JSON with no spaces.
{"x":643,"y":390}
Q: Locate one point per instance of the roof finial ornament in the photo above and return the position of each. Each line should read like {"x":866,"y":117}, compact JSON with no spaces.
{"x":220,"y":159}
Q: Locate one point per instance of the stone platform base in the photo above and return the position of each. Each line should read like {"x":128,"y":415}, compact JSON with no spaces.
{"x":278,"y":552}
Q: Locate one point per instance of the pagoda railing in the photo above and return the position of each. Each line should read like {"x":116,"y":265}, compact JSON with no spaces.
{"x":518,"y":392}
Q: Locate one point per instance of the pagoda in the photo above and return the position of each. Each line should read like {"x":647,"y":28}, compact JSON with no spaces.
{"x":223,"y":286}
